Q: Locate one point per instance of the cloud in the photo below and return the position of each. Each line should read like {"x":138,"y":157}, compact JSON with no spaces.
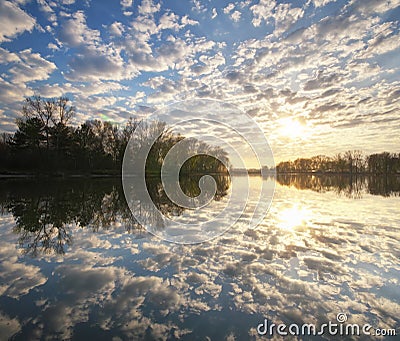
{"x":262,"y":11}
{"x":29,"y":276}
{"x":259,"y":271}
{"x":322,"y":80}
{"x":8,"y":326}
{"x":148,"y":7}
{"x":93,"y":60}
{"x":75,"y":32}
{"x":368,"y":7}
{"x":169,"y":21}
{"x":32,"y":67}
{"x":234,"y":76}
{"x":236,"y":16}
{"x":229,"y":8}
{"x":126,"y":4}
{"x":187,"y":21}
{"x":321,"y":3}
{"x":198,"y":6}
{"x":52,"y":46}
{"x":48,"y":11}
{"x":24,"y":71}
{"x":383,"y":39}
{"x":99,"y":64}
{"x":13,"y":21}
{"x":335,"y":58}
{"x":7,"y":56}
{"x":285,"y":16}
{"x":117,"y":29}
{"x":11,"y":93}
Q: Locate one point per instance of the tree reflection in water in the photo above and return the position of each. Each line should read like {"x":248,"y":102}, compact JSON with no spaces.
{"x":46,"y":211}
{"x":349,"y":186}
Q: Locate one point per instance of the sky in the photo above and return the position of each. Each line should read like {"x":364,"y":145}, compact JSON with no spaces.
{"x":318,"y":76}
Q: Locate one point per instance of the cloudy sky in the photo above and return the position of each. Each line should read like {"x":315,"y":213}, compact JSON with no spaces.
{"x":319,"y":76}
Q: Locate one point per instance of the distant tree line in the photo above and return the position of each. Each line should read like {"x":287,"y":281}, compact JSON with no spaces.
{"x":45,"y":141}
{"x":350,"y":162}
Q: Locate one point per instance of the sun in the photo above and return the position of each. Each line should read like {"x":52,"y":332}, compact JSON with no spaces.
{"x":292,"y":128}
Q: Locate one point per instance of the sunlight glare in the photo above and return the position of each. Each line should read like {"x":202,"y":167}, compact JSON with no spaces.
{"x":292,"y":128}
{"x":293,"y":217}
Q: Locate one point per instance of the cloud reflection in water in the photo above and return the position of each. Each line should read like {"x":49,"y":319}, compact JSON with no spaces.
{"x":337,"y":254}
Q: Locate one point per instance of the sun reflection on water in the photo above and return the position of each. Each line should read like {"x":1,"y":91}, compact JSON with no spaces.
{"x":292,"y":217}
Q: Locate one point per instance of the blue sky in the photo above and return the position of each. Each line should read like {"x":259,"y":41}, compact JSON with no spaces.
{"x":319,"y":76}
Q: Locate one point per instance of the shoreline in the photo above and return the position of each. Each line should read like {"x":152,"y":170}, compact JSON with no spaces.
{"x":55,"y":176}
{"x":119,"y":175}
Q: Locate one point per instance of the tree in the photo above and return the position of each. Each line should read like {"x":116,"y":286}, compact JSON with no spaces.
{"x":29,"y":134}
{"x":50,"y":112}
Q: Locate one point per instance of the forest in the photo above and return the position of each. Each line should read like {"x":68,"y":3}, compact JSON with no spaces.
{"x":47,"y":142}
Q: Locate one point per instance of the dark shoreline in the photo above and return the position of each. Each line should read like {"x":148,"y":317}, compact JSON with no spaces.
{"x":6,"y":175}
{"x":55,"y":176}
{"x":61,"y":175}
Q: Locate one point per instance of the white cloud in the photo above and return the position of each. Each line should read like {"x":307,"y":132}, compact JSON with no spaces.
{"x":236,"y":16}
{"x":208,"y":64}
{"x":13,"y":21}
{"x":285,"y":16}
{"x":7,"y":56}
{"x":148,"y":7}
{"x":169,"y":21}
{"x":229,"y":8}
{"x":52,"y":46}
{"x":94,"y":64}
{"x":187,"y":21}
{"x":321,"y":3}
{"x":117,"y":29}
{"x":214,"y":13}
{"x":126,"y":3}
{"x":29,"y":276}
{"x":11,"y":92}
{"x":381,"y":46}
{"x":145,"y":24}
{"x":44,"y":6}
{"x":173,"y":51}
{"x":93,"y":60}
{"x":262,"y":11}
{"x":33,"y":67}
{"x":368,"y":7}
{"x":198,"y":6}
{"x":75,"y":32}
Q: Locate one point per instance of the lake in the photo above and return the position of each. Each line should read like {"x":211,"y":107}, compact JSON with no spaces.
{"x":74,"y":263}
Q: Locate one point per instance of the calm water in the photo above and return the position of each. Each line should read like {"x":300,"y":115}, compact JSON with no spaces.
{"x":75,"y":265}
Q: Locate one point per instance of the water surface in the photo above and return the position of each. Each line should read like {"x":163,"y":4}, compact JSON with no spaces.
{"x":74,"y":264}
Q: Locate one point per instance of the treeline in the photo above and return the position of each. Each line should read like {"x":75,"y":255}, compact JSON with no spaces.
{"x":47,"y":142}
{"x":350,"y":162}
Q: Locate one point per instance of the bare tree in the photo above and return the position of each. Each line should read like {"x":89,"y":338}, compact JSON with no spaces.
{"x":50,"y":112}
